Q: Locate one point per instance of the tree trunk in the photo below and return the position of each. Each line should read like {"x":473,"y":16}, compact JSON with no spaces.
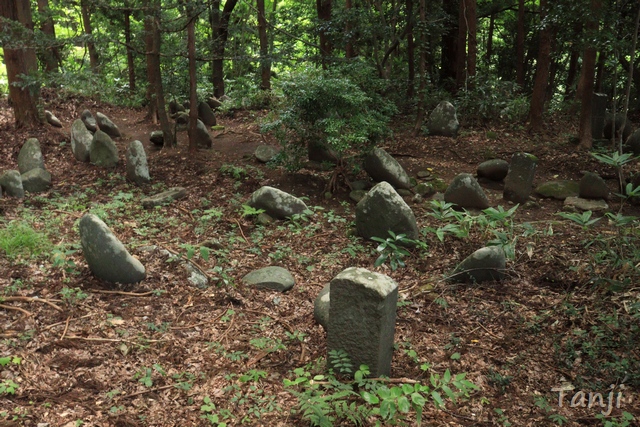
{"x":411,"y":71}
{"x":520,"y":45}
{"x":423,"y":69}
{"x":492,"y":20}
{"x":324,"y":15}
{"x":265,"y":62}
{"x":588,"y":75}
{"x":153,"y":41}
{"x":88,"y":30}
{"x":571,"y":74}
{"x":193,"y":95}
{"x":50,"y":55}
{"x":542,"y":73}
{"x":449,"y":37}
{"x":21,"y":59}
{"x":220,"y":31}
{"x":127,"y":38}
{"x":600,"y":65}
{"x":472,"y":42}
{"x":461,"y":50}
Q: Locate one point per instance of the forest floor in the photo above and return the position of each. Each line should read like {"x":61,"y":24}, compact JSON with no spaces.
{"x":167,"y":353}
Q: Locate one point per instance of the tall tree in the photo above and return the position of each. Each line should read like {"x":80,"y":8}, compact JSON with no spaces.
{"x":536,"y":109}
{"x":448,"y":43}
{"x":411,"y":69}
{"x":324,"y":15}
{"x":86,"y":10}
{"x":20,"y":59}
{"x":520,"y":45}
{"x":50,"y":55}
{"x":265,"y":62}
{"x":219,"y":20}
{"x":588,"y":75}
{"x":422,"y":13}
{"x":193,"y":93}
{"x":127,"y":38}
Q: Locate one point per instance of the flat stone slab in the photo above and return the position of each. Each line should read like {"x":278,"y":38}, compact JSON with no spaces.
{"x":275,"y":278}
{"x":586,"y":204}
{"x":165,"y":197}
{"x":560,"y":189}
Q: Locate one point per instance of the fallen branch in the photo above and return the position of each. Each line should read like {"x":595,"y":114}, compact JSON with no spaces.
{"x":151,"y":390}
{"x":66,"y":328}
{"x":30,"y":299}
{"x":129,"y":294}
{"x":22,"y":310}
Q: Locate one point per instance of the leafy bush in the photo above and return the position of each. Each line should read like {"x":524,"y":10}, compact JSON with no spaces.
{"x":339,"y":109}
{"x":489,"y":97}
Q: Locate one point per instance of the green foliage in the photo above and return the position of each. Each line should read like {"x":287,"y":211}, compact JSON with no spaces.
{"x":20,"y":239}
{"x":209,"y":413}
{"x":391,"y":249}
{"x":624,"y":420}
{"x":488,"y":98}
{"x":72,"y":297}
{"x":584,"y":219}
{"x":8,"y":386}
{"x":250,"y":211}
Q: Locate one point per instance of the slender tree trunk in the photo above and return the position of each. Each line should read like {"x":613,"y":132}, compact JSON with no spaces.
{"x":220,"y":31}
{"x":193,"y":95}
{"x":411,"y":68}
{"x":422,"y":67}
{"x":449,"y":45}
{"x":571,"y":74}
{"x":472,"y":48}
{"x":350,"y":51}
{"x":127,"y":38}
{"x":492,"y":20}
{"x":600,"y":66}
{"x":265,"y":62}
{"x":153,"y":41}
{"x":588,"y":75}
{"x":461,"y":50}
{"x":50,"y":55}
{"x":19,"y":59}
{"x":324,"y":15}
{"x":542,"y":73}
{"x":520,"y":72}
{"x":625,"y":108}
{"x":85,"y":9}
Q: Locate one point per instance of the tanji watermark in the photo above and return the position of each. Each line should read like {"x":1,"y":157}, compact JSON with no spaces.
{"x":582,"y":399}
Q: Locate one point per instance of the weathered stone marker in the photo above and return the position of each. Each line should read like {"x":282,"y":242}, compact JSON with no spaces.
{"x":519,"y":181}
{"x":362,"y":317}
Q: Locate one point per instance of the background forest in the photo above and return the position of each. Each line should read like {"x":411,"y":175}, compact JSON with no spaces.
{"x":532,"y":350}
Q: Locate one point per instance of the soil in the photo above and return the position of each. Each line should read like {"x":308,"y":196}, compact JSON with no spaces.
{"x":149,"y":354}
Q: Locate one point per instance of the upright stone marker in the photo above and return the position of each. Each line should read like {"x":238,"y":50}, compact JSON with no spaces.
{"x":362,"y":316}
{"x":598,"y":114}
{"x":519,"y":181}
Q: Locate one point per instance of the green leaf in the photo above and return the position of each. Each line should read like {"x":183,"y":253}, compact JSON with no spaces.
{"x":437,"y":398}
{"x":455,"y":356}
{"x":403,"y":404}
{"x":370,"y":398}
{"x":418,"y":399}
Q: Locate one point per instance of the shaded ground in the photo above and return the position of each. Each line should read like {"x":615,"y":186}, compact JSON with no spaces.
{"x":150,"y":354}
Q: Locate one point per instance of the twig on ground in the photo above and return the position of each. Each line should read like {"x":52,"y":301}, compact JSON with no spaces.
{"x":22,"y":310}
{"x":130,"y":294}
{"x":30,"y":299}
{"x":242,"y":232}
{"x":151,"y":390}
{"x":66,"y":328}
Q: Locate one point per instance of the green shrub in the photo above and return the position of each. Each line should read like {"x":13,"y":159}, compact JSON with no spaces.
{"x":488,"y":98}
{"x":19,"y":238}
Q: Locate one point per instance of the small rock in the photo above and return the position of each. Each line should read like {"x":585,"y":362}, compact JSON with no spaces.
{"x":485,"y":264}
{"x":321,"y":306}
{"x":51,"y":119}
{"x":265,"y":153}
{"x":357,"y":195}
{"x":586,"y":204}
{"x":89,"y":121}
{"x":11,"y":182}
{"x":558,"y":189}
{"x":465,"y":192}
{"x":592,"y":186}
{"x":165,"y":197}
{"x":36,"y":180}
{"x":495,"y":169}
{"x":157,"y":138}
{"x":276,"y":202}
{"x":275,"y":278}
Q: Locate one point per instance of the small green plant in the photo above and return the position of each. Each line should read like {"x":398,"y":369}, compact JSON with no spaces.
{"x":250,"y":211}
{"x":18,"y":238}
{"x":72,"y":296}
{"x":624,"y":420}
{"x":8,"y":386}
{"x":236,"y":172}
{"x":391,"y":249}
{"x":501,"y":382}
{"x":145,"y":375}
{"x":502,"y":418}
{"x":583,"y":219}
{"x":209,"y":413}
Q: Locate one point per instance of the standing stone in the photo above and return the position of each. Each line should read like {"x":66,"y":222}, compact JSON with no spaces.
{"x":107,"y":257}
{"x":381,"y":210}
{"x":633,"y":143}
{"x":89,"y":121}
{"x":103,"y":151}
{"x":36,"y":180}
{"x":203,"y":138}
{"x":175,"y":107}
{"x":519,"y":181}
{"x":276,"y":203}
{"x":30,"y":156}
{"x":483,"y":265}
{"x":443,"y":120}
{"x":362,"y":317}
{"x":381,"y":166}
{"x":52,"y":119}
{"x":321,"y":306}
{"x":592,"y":186}
{"x":494,"y":169}
{"x":465,"y":192}
{"x":137,"y":168}
{"x":205,"y":113}
{"x":81,"y":140}
{"x":598,"y":114}
{"x":11,"y":182}
{"x":107,"y":126}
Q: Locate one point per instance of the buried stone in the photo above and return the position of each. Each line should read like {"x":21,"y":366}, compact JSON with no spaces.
{"x":485,"y":264}
{"x":276,"y":203}
{"x":275,"y":278}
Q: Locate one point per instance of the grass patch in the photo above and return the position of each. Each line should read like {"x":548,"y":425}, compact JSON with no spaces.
{"x":20,"y":239}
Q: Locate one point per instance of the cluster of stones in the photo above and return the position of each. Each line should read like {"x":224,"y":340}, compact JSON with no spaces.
{"x":180,"y":113}
{"x":31,"y":175}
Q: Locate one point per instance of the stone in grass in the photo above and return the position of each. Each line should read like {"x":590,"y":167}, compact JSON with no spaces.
{"x":465,"y":192}
{"x":274,"y":278}
{"x":104,"y":152}
{"x":321,"y":306}
{"x":36,"y":180}
{"x":486,"y":264}
{"x":81,"y":140}
{"x":265,"y":153}
{"x":30,"y":156}
{"x":560,"y":189}
{"x":276,"y":203}
{"x":137,"y":168}
{"x":592,"y":186}
{"x":362,"y":317}
{"x":164,"y":198}
{"x":578,"y":203}
{"x":106,"y":256}
{"x":11,"y":183}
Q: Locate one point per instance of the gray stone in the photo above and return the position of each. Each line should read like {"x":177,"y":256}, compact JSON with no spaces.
{"x":276,"y":203}
{"x":598,"y":205}
{"x":81,"y":140}
{"x":483,"y":265}
{"x":182,"y":122}
{"x":106,"y":256}
{"x":107,"y":126}
{"x":381,"y":210}
{"x":465,"y":192}
{"x":633,"y":143}
{"x":196,"y":277}
{"x":30,"y":156}
{"x":103,"y":152}
{"x":494,"y":169}
{"x":175,"y":107}
{"x":265,"y":153}
{"x":519,"y":180}
{"x":52,"y":119}
{"x":264,"y":219}
{"x":165,"y":197}
{"x":36,"y":180}
{"x":225,"y":98}
{"x":424,"y":190}
{"x":598,"y":114}
{"x":214,"y":103}
{"x":89,"y":121}
{"x":560,"y":189}
{"x":362,"y":317}
{"x":205,"y":113}
{"x":609,"y":126}
{"x":381,"y":166}
{"x":203,"y":138}
{"x":592,"y":186}
{"x":157,"y":138}
{"x":11,"y":183}
{"x":443,"y":120}
{"x":137,"y":168}
{"x":357,"y":195}
{"x":274,"y":278}
{"x":321,"y":306}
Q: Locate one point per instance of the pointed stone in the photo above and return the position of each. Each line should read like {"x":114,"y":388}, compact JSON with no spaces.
{"x":137,"y":167}
{"x":11,"y":183}
{"x":51,"y":119}
{"x":485,"y":264}
{"x":107,"y":126}
{"x":206,"y":114}
{"x":30,"y":156}
{"x":465,"y":192}
{"x":381,"y":166}
{"x":81,"y":140}
{"x":592,"y":186}
{"x":443,"y":120}
{"x":104,"y":152}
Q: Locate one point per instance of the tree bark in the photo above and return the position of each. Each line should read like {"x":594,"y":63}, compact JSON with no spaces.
{"x":193,"y":94}
{"x":219,"y":20}
{"x":472,"y":41}
{"x":449,"y":45}
{"x":542,"y":73}
{"x":127,"y":38}
{"x":520,"y":45}
{"x":85,"y":9}
{"x":153,"y":41}
{"x":492,"y":20}
{"x":324,"y":15}
{"x":422,"y":67}
{"x":50,"y":55}
{"x":411,"y":69}
{"x":600,"y":66}
{"x":265,"y":62}
{"x":20,"y":58}
{"x":461,"y":49}
{"x":588,"y":75}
